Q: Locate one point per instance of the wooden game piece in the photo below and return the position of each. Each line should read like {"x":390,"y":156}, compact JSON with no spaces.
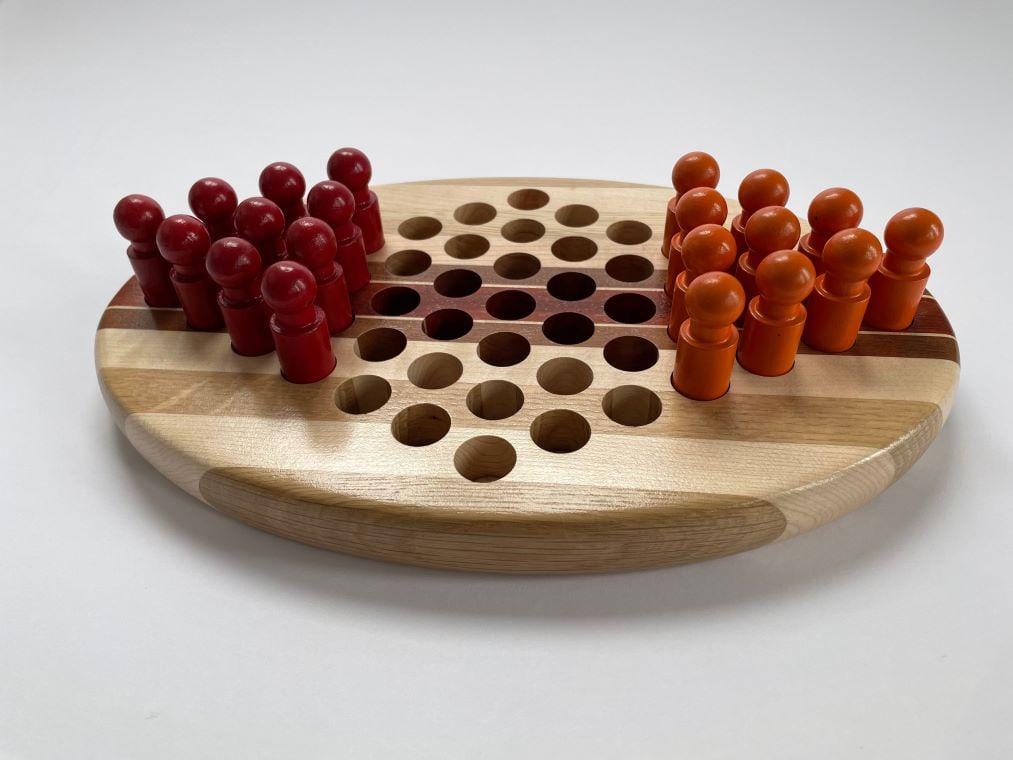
{"x":262,"y":222}
{"x":708,"y":248}
{"x":774,"y":228}
{"x":705,"y":355}
{"x":298,"y":325}
{"x":911,"y":236}
{"x":696,"y":207}
{"x":284,"y":184}
{"x":695,"y":169}
{"x":351,"y":168}
{"x":183,"y":241}
{"x":758,"y":189}
{"x":831,"y":211}
{"x":137,"y":218}
{"x":235,"y":265}
{"x":841,"y":294}
{"x":213,"y":201}
{"x":775,"y":318}
{"x":335,"y":204}
{"x":311,"y":242}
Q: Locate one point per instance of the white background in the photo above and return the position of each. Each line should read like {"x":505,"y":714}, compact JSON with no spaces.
{"x":134,"y":622}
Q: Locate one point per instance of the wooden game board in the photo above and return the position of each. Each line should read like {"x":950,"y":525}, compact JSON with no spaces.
{"x":549,"y":441}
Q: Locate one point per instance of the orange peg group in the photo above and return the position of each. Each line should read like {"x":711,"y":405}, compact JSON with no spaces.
{"x":769,"y":229}
{"x":705,"y":355}
{"x":697,"y":207}
{"x":708,"y":248}
{"x":695,"y":169}
{"x":830,"y":212}
{"x":759,"y":189}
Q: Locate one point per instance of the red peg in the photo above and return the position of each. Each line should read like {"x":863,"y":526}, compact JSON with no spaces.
{"x":696,"y":207}
{"x":299,"y":326}
{"x":776,"y":317}
{"x":705,"y":355}
{"x":759,"y":189}
{"x":335,"y":204}
{"x":912,"y":235}
{"x":311,"y":242}
{"x":841,"y":293}
{"x":708,"y":248}
{"x":234,"y":264}
{"x":137,"y":218}
{"x":769,"y":229}
{"x":696,"y":169}
{"x":350,"y":167}
{"x":830,"y":212}
{"x":183,"y":241}
{"x":284,"y":184}
{"x":262,"y":223}
{"x":213,"y":201}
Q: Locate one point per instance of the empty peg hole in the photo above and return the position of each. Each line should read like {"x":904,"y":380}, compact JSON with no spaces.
{"x":528,"y":199}
{"x":517,"y":266}
{"x":420,"y":425}
{"x":574,"y":248}
{"x":457,"y":283}
{"x":568,"y":328}
{"x":576,"y":215}
{"x":523,"y":230}
{"x":466,"y":246}
{"x":475,"y":213}
{"x":629,"y":268}
{"x":362,"y":394}
{"x":408,"y":263}
{"x":565,"y":376}
{"x":631,"y":405}
{"x":380,"y":344}
{"x":395,"y":301}
{"x":631,"y":353}
{"x":420,"y":228}
{"x":628,"y":232}
{"x":510,"y":304}
{"x":447,"y":324}
{"x":434,"y":371}
{"x":630,"y":308}
{"x":503,"y":349}
{"x":570,"y":286}
{"x":495,"y":400}
{"x":485,"y":458}
{"x":560,"y":431}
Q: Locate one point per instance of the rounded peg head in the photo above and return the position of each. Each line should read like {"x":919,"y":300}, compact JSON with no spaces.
{"x":259,"y":219}
{"x":183,"y":240}
{"x":696,"y":169}
{"x":785,"y":277}
{"x":914,"y":233}
{"x":311,"y":241}
{"x":212,"y":198}
{"x":233,"y":262}
{"x":288,"y":287}
{"x":852,"y":255}
{"x":332,"y":202}
{"x":708,"y":248}
{"x":834,"y":210}
{"x":764,"y":187}
{"x":701,"y":205}
{"x":715,"y":299}
{"x":350,"y":167}
{"x":773,"y":228}
{"x":137,"y":218}
{"x":283,"y":183}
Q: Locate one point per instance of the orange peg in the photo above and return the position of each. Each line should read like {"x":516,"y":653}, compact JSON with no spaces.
{"x":769,"y":229}
{"x":776,"y":317}
{"x":705,"y":355}
{"x":696,"y":207}
{"x":841,"y":293}
{"x":912,"y":235}
{"x":708,"y":248}
{"x":830,"y":212}
{"x":759,"y":189}
{"x":696,"y":169}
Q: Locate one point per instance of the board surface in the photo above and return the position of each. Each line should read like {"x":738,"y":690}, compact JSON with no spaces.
{"x":502,"y":401}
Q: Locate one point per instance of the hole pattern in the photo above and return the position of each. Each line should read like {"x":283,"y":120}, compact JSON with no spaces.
{"x":495,"y":400}
{"x":466,"y":246}
{"x":380,"y":344}
{"x":568,"y":328}
{"x":576,"y":215}
{"x":523,"y":230}
{"x":630,"y":308}
{"x":528,"y":199}
{"x":485,"y":458}
{"x":362,"y":394}
{"x":436,"y":370}
{"x":628,"y":232}
{"x":475,"y":213}
{"x":503,"y":349}
{"x":408,"y":263}
{"x":560,"y":431}
{"x":457,"y":283}
{"x":517,"y":266}
{"x":420,"y":228}
{"x":396,"y":301}
{"x":631,"y":353}
{"x":631,"y":405}
{"x":420,"y":425}
{"x":574,"y":248}
{"x":510,"y":304}
{"x":629,"y":268}
{"x":447,"y":324}
{"x":571,"y":286}
{"x":565,"y":376}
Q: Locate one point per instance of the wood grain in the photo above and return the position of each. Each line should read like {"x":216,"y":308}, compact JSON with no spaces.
{"x":687,"y":481}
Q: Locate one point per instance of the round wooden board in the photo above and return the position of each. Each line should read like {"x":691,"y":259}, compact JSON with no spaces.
{"x":654,"y":478}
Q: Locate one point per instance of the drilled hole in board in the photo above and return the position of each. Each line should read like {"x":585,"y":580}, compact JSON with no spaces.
{"x":574,"y":248}
{"x":631,"y":353}
{"x":523,"y":230}
{"x":528,"y":199}
{"x":510,"y":304}
{"x":380,"y":344}
{"x":362,"y":394}
{"x":447,"y":324}
{"x":629,"y":268}
{"x":420,"y":425}
{"x":576,"y":215}
{"x":457,"y":283}
{"x":628,"y":232}
{"x":475,"y":213}
{"x":395,"y":301}
{"x":408,"y":263}
{"x":517,"y":266}
{"x":565,"y":376}
{"x":630,"y":308}
{"x":560,"y":431}
{"x":485,"y":458}
{"x":420,"y":228}
{"x":466,"y":246}
{"x":503,"y":349}
{"x":568,"y":328}
{"x":571,"y":286}
{"x":434,"y":371}
{"x":631,"y":405}
{"x":495,"y":400}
